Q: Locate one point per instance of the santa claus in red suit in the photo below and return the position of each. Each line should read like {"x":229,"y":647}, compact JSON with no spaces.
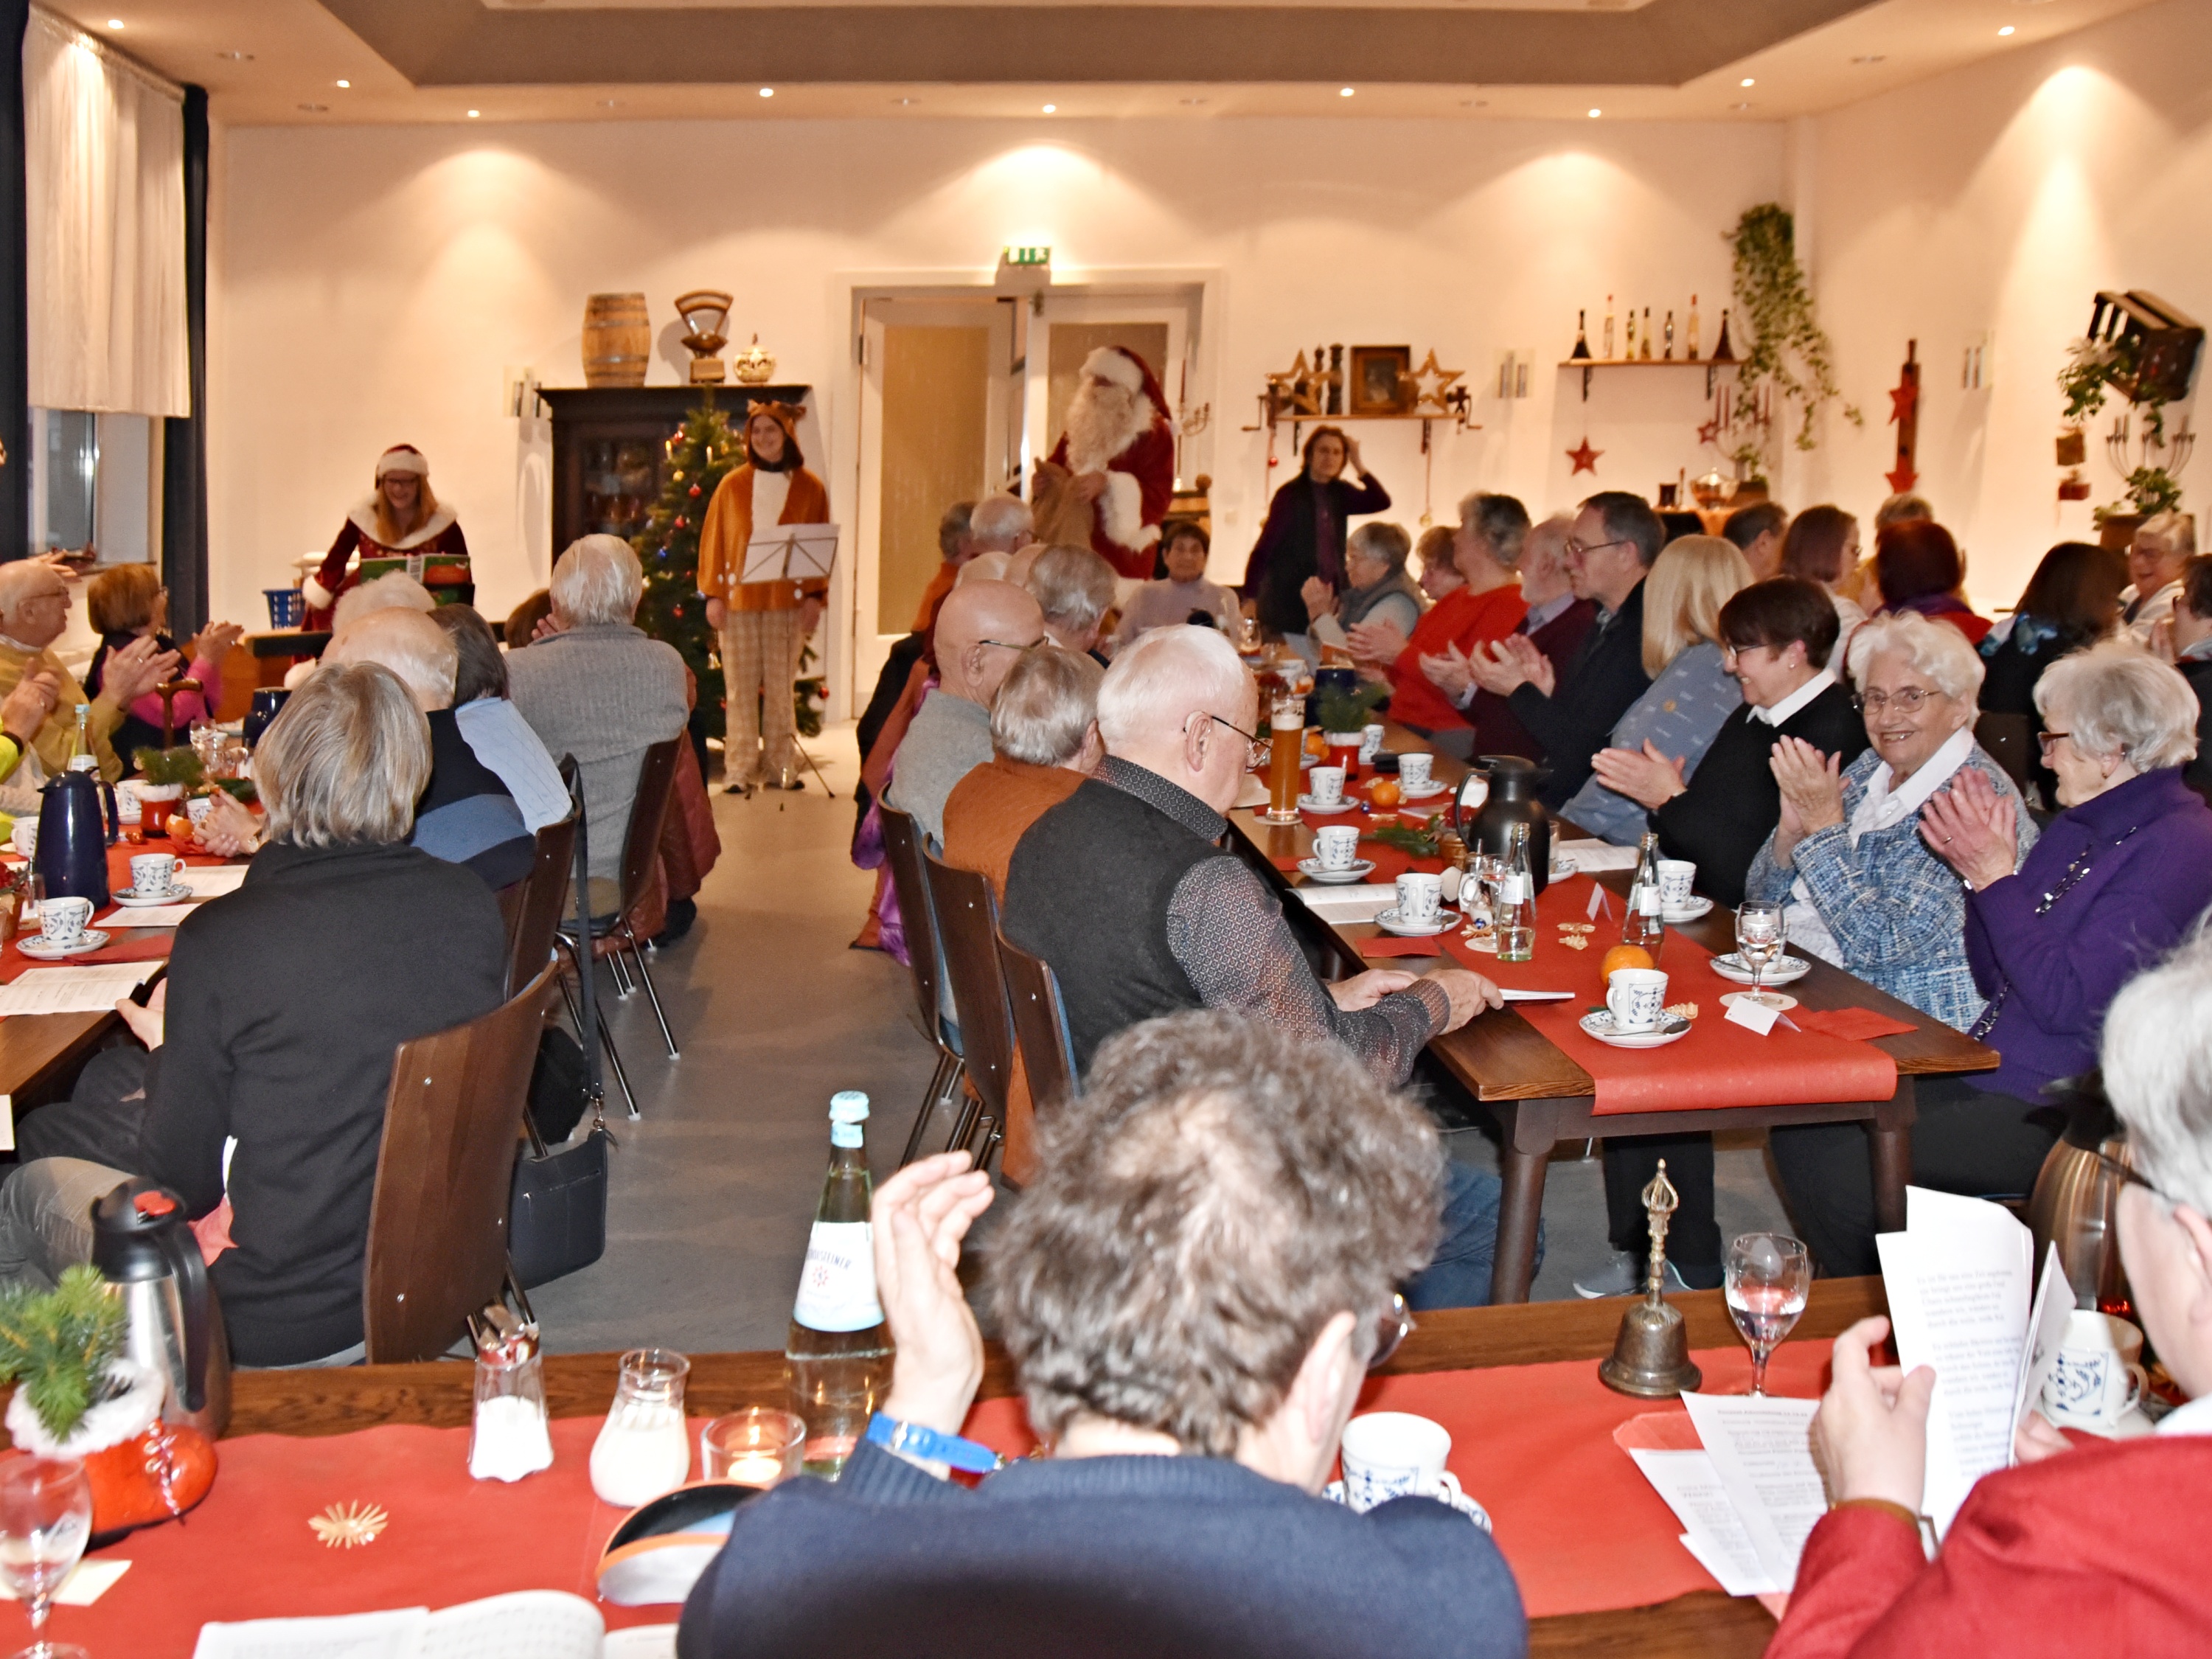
{"x":1119,"y":448}
{"x":400,"y":519}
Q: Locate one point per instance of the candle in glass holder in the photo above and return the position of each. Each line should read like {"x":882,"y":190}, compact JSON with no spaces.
{"x":757,"y":1446}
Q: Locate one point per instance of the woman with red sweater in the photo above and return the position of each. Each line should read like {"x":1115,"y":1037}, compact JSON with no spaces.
{"x":2088,"y":1545}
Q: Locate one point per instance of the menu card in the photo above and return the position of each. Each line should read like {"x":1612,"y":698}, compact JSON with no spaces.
{"x":524,"y":1624}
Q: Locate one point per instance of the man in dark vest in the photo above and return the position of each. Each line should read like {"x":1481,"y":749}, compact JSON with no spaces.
{"x":1124,"y":889}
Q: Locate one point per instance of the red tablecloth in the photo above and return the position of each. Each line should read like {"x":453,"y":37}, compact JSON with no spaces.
{"x":1716,"y":1065}
{"x":1531,"y":1443}
{"x":151,"y":946}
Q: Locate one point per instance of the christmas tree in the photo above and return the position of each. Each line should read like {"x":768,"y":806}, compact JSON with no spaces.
{"x":700,"y":454}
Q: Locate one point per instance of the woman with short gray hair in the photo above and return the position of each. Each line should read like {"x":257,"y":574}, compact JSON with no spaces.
{"x":1378,"y":589}
{"x":1074,"y":588}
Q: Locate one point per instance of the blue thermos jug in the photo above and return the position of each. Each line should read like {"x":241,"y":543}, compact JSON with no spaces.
{"x":77,"y":823}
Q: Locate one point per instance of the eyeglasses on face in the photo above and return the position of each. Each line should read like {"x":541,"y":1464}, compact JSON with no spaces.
{"x":1008,"y":645}
{"x":1583,"y":549}
{"x":1258,"y":751}
{"x":1392,"y":1327}
{"x":1906,"y":701}
{"x":2127,"y":1176}
{"x":2044,"y":739}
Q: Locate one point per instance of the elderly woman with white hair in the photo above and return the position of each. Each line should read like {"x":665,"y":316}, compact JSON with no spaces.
{"x":2082,"y":1539}
{"x":597,"y":688}
{"x":2114,"y":882}
{"x":1074,"y":588}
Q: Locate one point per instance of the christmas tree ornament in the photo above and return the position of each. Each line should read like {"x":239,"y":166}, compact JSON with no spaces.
{"x":706,"y":313}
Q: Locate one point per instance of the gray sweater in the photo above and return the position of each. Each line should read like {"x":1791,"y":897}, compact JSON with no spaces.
{"x":950,"y":738}
{"x":605,"y":694}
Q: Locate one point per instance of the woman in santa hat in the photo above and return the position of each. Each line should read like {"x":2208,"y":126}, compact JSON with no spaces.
{"x":761,"y":623}
{"x":400,"y":519}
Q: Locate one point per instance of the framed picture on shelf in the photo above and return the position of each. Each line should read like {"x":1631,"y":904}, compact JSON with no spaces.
{"x":1381,"y":380}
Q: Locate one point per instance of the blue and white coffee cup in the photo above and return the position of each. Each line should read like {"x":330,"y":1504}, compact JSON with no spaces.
{"x":1337,"y":846}
{"x":1388,"y":1455}
{"x":2098,"y":1378}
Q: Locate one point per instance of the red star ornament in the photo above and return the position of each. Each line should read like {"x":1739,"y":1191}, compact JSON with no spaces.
{"x":1710,"y":433}
{"x":1584,"y":458}
{"x":1903,"y":400}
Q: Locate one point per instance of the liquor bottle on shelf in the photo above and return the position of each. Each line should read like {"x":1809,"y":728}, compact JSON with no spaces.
{"x":1691,"y":331}
{"x":1516,"y":923}
{"x":1669,"y":353}
{"x":1608,"y":328}
{"x":1630,"y":354}
{"x":1723,"y":351}
{"x":1582,"y":351}
{"x":1644,"y":923}
{"x":1647,"y":334}
{"x":837,"y":1356}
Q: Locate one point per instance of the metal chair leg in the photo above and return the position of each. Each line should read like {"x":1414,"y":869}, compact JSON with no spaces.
{"x":582,"y":964}
{"x":652,"y":993}
{"x":623,"y":988}
{"x":963,"y":1126}
{"x":942,"y":1083}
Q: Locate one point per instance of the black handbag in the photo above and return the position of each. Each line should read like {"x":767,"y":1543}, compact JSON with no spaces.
{"x":557,"y":1214}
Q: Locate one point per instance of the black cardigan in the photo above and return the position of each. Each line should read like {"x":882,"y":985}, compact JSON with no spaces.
{"x":286,"y":1001}
{"x":1721,"y":820}
{"x":1288,"y":550}
{"x":2198,"y":774}
{"x":1596,"y":689}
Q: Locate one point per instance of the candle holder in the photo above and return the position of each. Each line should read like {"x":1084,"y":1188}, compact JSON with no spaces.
{"x":1650,"y":1358}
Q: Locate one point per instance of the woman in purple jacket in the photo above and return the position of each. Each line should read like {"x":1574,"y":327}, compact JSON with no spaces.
{"x":2111,"y":886}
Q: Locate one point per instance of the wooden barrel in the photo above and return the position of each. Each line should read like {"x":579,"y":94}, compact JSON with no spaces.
{"x":618,"y":339}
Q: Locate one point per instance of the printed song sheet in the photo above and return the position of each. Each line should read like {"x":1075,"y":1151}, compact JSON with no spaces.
{"x":209,"y":881}
{"x":1716,"y":1535}
{"x":72,"y":990}
{"x":1762,"y":1450}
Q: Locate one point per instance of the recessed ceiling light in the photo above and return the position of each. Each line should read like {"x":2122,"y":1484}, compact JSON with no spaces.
{"x":236,"y":56}
{"x":1050,"y":108}
{"x":1746,"y":82}
{"x":115,"y":22}
{"x":2007,"y":29}
{"x":1594,"y":113}
{"x":768,"y":91}
{"x":345,"y":83}
{"x":315,"y":109}
{"x":1871,"y":58}
{"x":474,"y":114}
{"x":609,"y":103}
{"x":1343,"y":92}
{"x":1474,"y":103}
{"x":904,"y":102}
{"x":1194,"y":101}
{"x":1739,"y":106}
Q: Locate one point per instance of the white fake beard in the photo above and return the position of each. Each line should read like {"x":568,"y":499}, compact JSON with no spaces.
{"x":1102,"y":421}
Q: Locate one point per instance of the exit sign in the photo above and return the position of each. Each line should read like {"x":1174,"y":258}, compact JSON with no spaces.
{"x":1028,"y":256}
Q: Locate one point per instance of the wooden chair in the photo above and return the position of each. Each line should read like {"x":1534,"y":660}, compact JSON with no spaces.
{"x":437,"y":1224}
{"x":967,"y":927}
{"x":918,"y":917}
{"x":2010,"y":741}
{"x":533,"y":906}
{"x":1040,"y":1025}
{"x":611,"y":932}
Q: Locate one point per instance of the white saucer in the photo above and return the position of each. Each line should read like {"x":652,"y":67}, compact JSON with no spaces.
{"x":1690,"y":912}
{"x":1599,"y":1025}
{"x":1781,"y":1001}
{"x":130,"y":897}
{"x":39,"y":950}
{"x":1783,"y":971}
{"x":1467,"y":1506}
{"x":1434,"y":789}
{"x":1356,"y":870}
{"x":1307,"y":804}
{"x":1387,"y":921}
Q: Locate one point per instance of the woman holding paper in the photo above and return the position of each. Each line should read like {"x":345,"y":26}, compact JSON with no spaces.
{"x":762,"y":624}
{"x":2087,"y":1546}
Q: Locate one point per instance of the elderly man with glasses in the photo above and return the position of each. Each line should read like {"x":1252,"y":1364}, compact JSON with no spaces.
{"x":1571,"y":715}
{"x":1124,"y":889}
{"x":982,"y":629}
{"x":34,"y":607}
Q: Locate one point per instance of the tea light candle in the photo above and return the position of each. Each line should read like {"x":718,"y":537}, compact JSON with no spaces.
{"x":761,"y":1469}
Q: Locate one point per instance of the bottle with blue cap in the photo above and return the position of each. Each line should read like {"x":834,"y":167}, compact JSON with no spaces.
{"x":838,"y":1355}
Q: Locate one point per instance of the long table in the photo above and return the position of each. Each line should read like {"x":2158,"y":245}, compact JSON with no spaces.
{"x":1705,"y":1624}
{"x":1540,"y":1097}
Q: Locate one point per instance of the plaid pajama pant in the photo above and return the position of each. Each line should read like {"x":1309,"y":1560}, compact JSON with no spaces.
{"x":760,"y":649}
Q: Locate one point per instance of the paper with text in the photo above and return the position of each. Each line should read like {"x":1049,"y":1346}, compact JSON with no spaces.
{"x":524,"y":1624}
{"x":1693,"y":1489}
{"x":147,"y":915}
{"x":72,"y":990}
{"x":2046,"y":1330}
{"x":209,"y":881}
{"x":1762,"y":1450}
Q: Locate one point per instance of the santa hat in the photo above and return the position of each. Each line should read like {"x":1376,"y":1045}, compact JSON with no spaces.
{"x":1119,"y":365}
{"x":402,"y":458}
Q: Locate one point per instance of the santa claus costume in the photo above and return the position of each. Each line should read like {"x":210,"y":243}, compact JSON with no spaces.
{"x":427,"y":542}
{"x":1118,"y":426}
{"x":761,"y":621}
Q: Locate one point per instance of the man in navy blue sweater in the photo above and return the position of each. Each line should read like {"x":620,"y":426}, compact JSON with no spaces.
{"x":1192,"y":1290}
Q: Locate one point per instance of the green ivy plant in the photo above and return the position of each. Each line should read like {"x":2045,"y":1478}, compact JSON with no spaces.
{"x":1788,"y":348}
{"x":2094,"y":370}
{"x":58,"y":1344}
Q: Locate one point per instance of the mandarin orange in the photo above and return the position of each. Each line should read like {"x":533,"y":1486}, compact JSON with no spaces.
{"x":1624,"y":956}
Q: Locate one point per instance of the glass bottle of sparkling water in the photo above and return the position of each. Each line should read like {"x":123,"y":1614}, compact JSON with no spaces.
{"x":838,"y":1355}
{"x":1645,"y":921}
{"x":1517,"y":901}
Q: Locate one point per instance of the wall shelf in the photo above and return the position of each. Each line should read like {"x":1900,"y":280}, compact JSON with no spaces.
{"x":1712,"y":365}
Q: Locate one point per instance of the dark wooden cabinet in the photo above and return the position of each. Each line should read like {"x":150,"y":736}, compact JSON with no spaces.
{"x":610,"y":449}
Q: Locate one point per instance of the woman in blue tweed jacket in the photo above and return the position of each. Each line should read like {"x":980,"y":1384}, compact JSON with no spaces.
{"x":1864,"y":891}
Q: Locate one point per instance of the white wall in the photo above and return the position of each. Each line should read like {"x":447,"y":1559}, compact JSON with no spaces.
{"x":371,"y":283}
{"x":1999,"y":199}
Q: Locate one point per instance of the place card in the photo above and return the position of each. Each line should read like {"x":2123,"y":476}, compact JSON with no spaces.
{"x":88,"y":1581}
{"x":1751,"y":1016}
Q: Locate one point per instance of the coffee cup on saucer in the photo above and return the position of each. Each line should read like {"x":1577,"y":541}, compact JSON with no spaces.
{"x":198,"y":809}
{"x":2098,"y":1378}
{"x":154,"y":875}
{"x":62,"y":921}
{"x":1370,"y":744}
{"x":1636,"y":997}
{"x":1326,"y":785}
{"x":1390,"y":1454}
{"x":1420,"y":898}
{"x":1677,"y":877}
{"x":1337,"y":846}
{"x":1413,"y":771}
{"x":25,"y":837}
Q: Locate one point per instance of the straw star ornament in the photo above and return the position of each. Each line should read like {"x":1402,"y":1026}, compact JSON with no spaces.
{"x":347,"y":1525}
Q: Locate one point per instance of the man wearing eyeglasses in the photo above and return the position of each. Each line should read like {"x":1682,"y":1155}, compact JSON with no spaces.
{"x":1571,"y":716}
{"x":982,"y":629}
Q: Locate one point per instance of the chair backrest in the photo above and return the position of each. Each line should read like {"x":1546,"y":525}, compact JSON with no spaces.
{"x":648,"y":813}
{"x":1040,"y":1025}
{"x":444,"y":1169}
{"x":533,"y":906}
{"x":967,"y":926}
{"x":2010,"y":741}
{"x":917,"y":915}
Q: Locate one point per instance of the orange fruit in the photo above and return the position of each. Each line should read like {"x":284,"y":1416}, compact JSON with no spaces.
{"x":1317,"y":744}
{"x":1385,"y":792}
{"x":1624,"y":956}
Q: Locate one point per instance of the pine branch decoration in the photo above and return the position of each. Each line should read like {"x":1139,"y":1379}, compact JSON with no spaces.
{"x":58,"y":1344}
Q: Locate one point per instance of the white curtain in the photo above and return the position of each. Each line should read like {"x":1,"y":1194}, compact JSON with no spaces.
{"x":104,"y":151}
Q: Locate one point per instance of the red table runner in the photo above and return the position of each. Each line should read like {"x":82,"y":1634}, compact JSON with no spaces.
{"x":152,"y":947}
{"x":1582,"y":1528}
{"x":1716,"y":1065}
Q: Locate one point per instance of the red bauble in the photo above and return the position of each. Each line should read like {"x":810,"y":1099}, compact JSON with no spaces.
{"x":695,"y":489}
{"x":683,"y":523}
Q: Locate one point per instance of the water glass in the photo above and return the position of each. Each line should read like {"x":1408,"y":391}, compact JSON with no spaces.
{"x":1761,"y":935}
{"x":1767,"y":1276}
{"x":45,"y":1518}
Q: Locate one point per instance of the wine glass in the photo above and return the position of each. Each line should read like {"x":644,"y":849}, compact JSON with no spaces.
{"x":1767,"y":1276}
{"x":45,"y":1516}
{"x":1760,"y":933}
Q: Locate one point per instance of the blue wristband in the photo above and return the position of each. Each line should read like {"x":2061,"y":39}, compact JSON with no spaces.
{"x":916,"y":1440}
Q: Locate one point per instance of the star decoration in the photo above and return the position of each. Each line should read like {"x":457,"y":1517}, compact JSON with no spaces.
{"x":1584,"y":458}
{"x":1903,"y":400}
{"x":1294,"y":390}
{"x":1902,"y":479}
{"x":1431,"y":384}
{"x":1710,"y":433}
{"x":345,"y":1526}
